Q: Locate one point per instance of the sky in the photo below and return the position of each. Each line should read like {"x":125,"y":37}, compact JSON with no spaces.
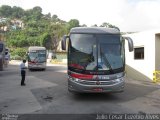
{"x":128,"y":15}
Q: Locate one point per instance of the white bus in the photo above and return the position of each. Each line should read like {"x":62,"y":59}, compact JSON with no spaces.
{"x":37,"y":57}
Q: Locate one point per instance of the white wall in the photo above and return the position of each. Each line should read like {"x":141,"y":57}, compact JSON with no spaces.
{"x":142,"y":69}
{"x":157,"y":52}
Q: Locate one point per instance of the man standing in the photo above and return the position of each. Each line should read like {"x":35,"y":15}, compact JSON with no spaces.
{"x":23,"y":72}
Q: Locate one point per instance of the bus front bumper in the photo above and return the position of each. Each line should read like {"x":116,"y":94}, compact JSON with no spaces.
{"x":37,"y":66}
{"x":90,"y":86}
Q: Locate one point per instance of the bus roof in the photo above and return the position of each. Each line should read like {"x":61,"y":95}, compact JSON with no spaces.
{"x":36,"y":48}
{"x":95,"y":30}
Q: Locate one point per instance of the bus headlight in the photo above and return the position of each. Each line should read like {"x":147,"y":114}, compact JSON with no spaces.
{"x":118,"y":80}
{"x":73,"y":79}
{"x":76,"y":79}
{"x":70,"y":78}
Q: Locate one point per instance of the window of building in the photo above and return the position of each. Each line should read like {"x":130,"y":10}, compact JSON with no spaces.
{"x":139,"y":53}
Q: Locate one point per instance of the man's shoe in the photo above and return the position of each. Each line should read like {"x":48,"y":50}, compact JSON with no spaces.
{"x":23,"y":84}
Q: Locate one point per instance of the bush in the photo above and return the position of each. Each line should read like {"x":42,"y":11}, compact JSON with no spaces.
{"x":16,"y":57}
{"x":18,"y":53}
{"x":61,"y":55}
{"x":56,"y":61}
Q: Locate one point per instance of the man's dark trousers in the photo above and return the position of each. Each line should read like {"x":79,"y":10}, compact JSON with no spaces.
{"x":23,"y":74}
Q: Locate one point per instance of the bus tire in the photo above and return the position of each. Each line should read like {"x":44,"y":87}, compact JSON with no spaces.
{"x":44,"y":69}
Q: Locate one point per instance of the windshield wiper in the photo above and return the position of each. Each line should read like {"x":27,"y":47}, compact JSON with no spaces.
{"x":106,"y":60}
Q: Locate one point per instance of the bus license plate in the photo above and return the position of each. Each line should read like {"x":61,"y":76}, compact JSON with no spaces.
{"x":97,"y":89}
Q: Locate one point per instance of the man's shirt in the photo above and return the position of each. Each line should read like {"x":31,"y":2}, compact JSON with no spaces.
{"x":22,"y":66}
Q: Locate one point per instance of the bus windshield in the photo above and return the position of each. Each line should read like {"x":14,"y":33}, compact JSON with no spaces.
{"x":37,"y":56}
{"x":109,"y":52}
{"x":95,"y":53}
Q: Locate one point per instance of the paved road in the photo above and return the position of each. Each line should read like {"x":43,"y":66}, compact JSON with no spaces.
{"x":46,"y":92}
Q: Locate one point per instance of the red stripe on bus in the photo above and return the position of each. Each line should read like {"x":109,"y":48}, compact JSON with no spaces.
{"x":76,"y":66}
{"x":31,"y":62}
{"x":82,"y":76}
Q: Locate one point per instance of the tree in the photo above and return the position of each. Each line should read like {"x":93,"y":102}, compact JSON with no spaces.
{"x":9,"y":12}
{"x":17,"y":12}
{"x":73,"y":23}
{"x":17,"y":38}
{"x":47,"y":16}
{"x":37,"y":12}
{"x":108,"y":25}
{"x":5,"y":11}
{"x":33,"y":14}
{"x":95,"y":25}
{"x":55,"y":18}
{"x":84,"y":25}
{"x":46,"y":40}
{"x":51,"y":40}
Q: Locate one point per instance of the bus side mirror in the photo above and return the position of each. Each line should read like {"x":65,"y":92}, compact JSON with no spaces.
{"x":63,"y":42}
{"x":130,"y":43}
